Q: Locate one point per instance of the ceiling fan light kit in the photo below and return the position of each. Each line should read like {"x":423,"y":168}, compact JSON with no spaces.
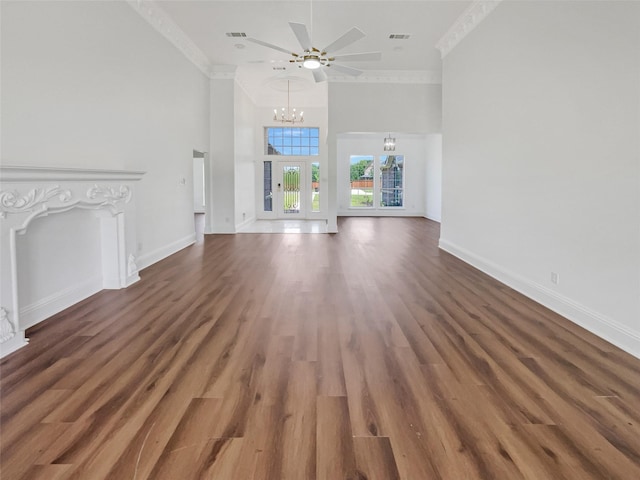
{"x":311,"y":62}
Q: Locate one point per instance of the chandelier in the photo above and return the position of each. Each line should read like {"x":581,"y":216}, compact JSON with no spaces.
{"x":290,"y":116}
{"x":389,"y":144}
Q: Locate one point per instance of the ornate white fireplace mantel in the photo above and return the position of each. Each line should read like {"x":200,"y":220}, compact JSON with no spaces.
{"x":28,"y":193}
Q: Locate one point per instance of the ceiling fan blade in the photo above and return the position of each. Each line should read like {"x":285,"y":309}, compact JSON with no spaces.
{"x":359,"y":57}
{"x":319,"y":75}
{"x":269,"y":45}
{"x":345,"y":40}
{"x":302,"y":34}
{"x":354,"y":72}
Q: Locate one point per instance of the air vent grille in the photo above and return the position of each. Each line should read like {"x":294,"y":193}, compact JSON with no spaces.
{"x":279,"y":68}
{"x":236,"y":34}
{"x":399,"y":36}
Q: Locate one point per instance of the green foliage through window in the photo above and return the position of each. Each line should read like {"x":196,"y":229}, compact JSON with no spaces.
{"x":359,"y":168}
{"x":361,"y":178}
{"x":315,"y":187}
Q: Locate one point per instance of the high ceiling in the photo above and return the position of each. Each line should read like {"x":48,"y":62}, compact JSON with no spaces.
{"x":259,"y":69}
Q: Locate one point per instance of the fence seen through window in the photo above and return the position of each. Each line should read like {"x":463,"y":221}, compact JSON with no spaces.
{"x":367,"y":191}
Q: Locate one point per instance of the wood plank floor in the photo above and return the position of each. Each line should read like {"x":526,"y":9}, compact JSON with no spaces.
{"x":364,"y":355}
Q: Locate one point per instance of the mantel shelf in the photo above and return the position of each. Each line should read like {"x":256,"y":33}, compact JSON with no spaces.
{"x":12,"y":173}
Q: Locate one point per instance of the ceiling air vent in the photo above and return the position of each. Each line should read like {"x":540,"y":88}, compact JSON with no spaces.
{"x":236,"y":34}
{"x":279,"y":68}
{"x":399,"y":36}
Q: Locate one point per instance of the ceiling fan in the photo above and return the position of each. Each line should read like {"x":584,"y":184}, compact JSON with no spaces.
{"x":316,"y":60}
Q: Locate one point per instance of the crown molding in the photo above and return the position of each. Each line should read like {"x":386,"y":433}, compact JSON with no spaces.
{"x":163,"y":23}
{"x":391,"y":76}
{"x":465,"y":23}
{"x":223,"y":72}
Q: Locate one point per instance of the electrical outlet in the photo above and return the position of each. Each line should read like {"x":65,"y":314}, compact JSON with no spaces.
{"x":555,"y":278}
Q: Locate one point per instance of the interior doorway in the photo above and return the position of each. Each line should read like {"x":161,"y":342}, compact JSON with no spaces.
{"x":199,"y":193}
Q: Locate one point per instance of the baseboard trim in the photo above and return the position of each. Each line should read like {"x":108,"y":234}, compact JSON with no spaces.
{"x":245,"y":223}
{"x":131,"y":279}
{"x":55,"y":303}
{"x":372,"y":212}
{"x":595,"y":322}
{"x":14,"y":343}
{"x":161,"y":253}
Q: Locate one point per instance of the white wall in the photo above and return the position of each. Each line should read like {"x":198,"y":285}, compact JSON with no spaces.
{"x":414,"y":149}
{"x":542,"y":157}
{"x":378,"y":107}
{"x":433,"y":181}
{"x":91,"y":84}
{"x":245,"y":155}
{"x":222,"y":158}
{"x":384,"y":107}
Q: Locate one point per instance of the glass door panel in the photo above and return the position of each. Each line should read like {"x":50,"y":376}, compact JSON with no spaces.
{"x":290,"y":186}
{"x":290,"y":189}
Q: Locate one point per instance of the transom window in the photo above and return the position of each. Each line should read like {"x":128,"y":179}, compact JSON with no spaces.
{"x":292,"y":141}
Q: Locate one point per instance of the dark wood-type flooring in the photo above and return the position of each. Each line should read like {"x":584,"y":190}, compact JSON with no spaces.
{"x":369,"y":354}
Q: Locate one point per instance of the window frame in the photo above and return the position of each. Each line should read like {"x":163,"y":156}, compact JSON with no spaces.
{"x":380,"y":186}
{"x":292,"y":145}
{"x":372,"y":159}
{"x":377,"y":195}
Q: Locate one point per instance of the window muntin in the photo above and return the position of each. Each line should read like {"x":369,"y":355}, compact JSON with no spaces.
{"x":292,"y":141}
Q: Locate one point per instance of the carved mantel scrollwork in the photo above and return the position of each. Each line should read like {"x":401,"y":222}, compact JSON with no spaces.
{"x":132,"y":268}
{"x":110,"y":195}
{"x":13,"y":202}
{"x":7,"y":330}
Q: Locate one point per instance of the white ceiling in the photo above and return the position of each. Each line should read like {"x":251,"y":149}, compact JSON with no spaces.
{"x":206,"y":22}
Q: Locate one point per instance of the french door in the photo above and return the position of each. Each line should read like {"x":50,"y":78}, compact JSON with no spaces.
{"x":291,"y":190}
